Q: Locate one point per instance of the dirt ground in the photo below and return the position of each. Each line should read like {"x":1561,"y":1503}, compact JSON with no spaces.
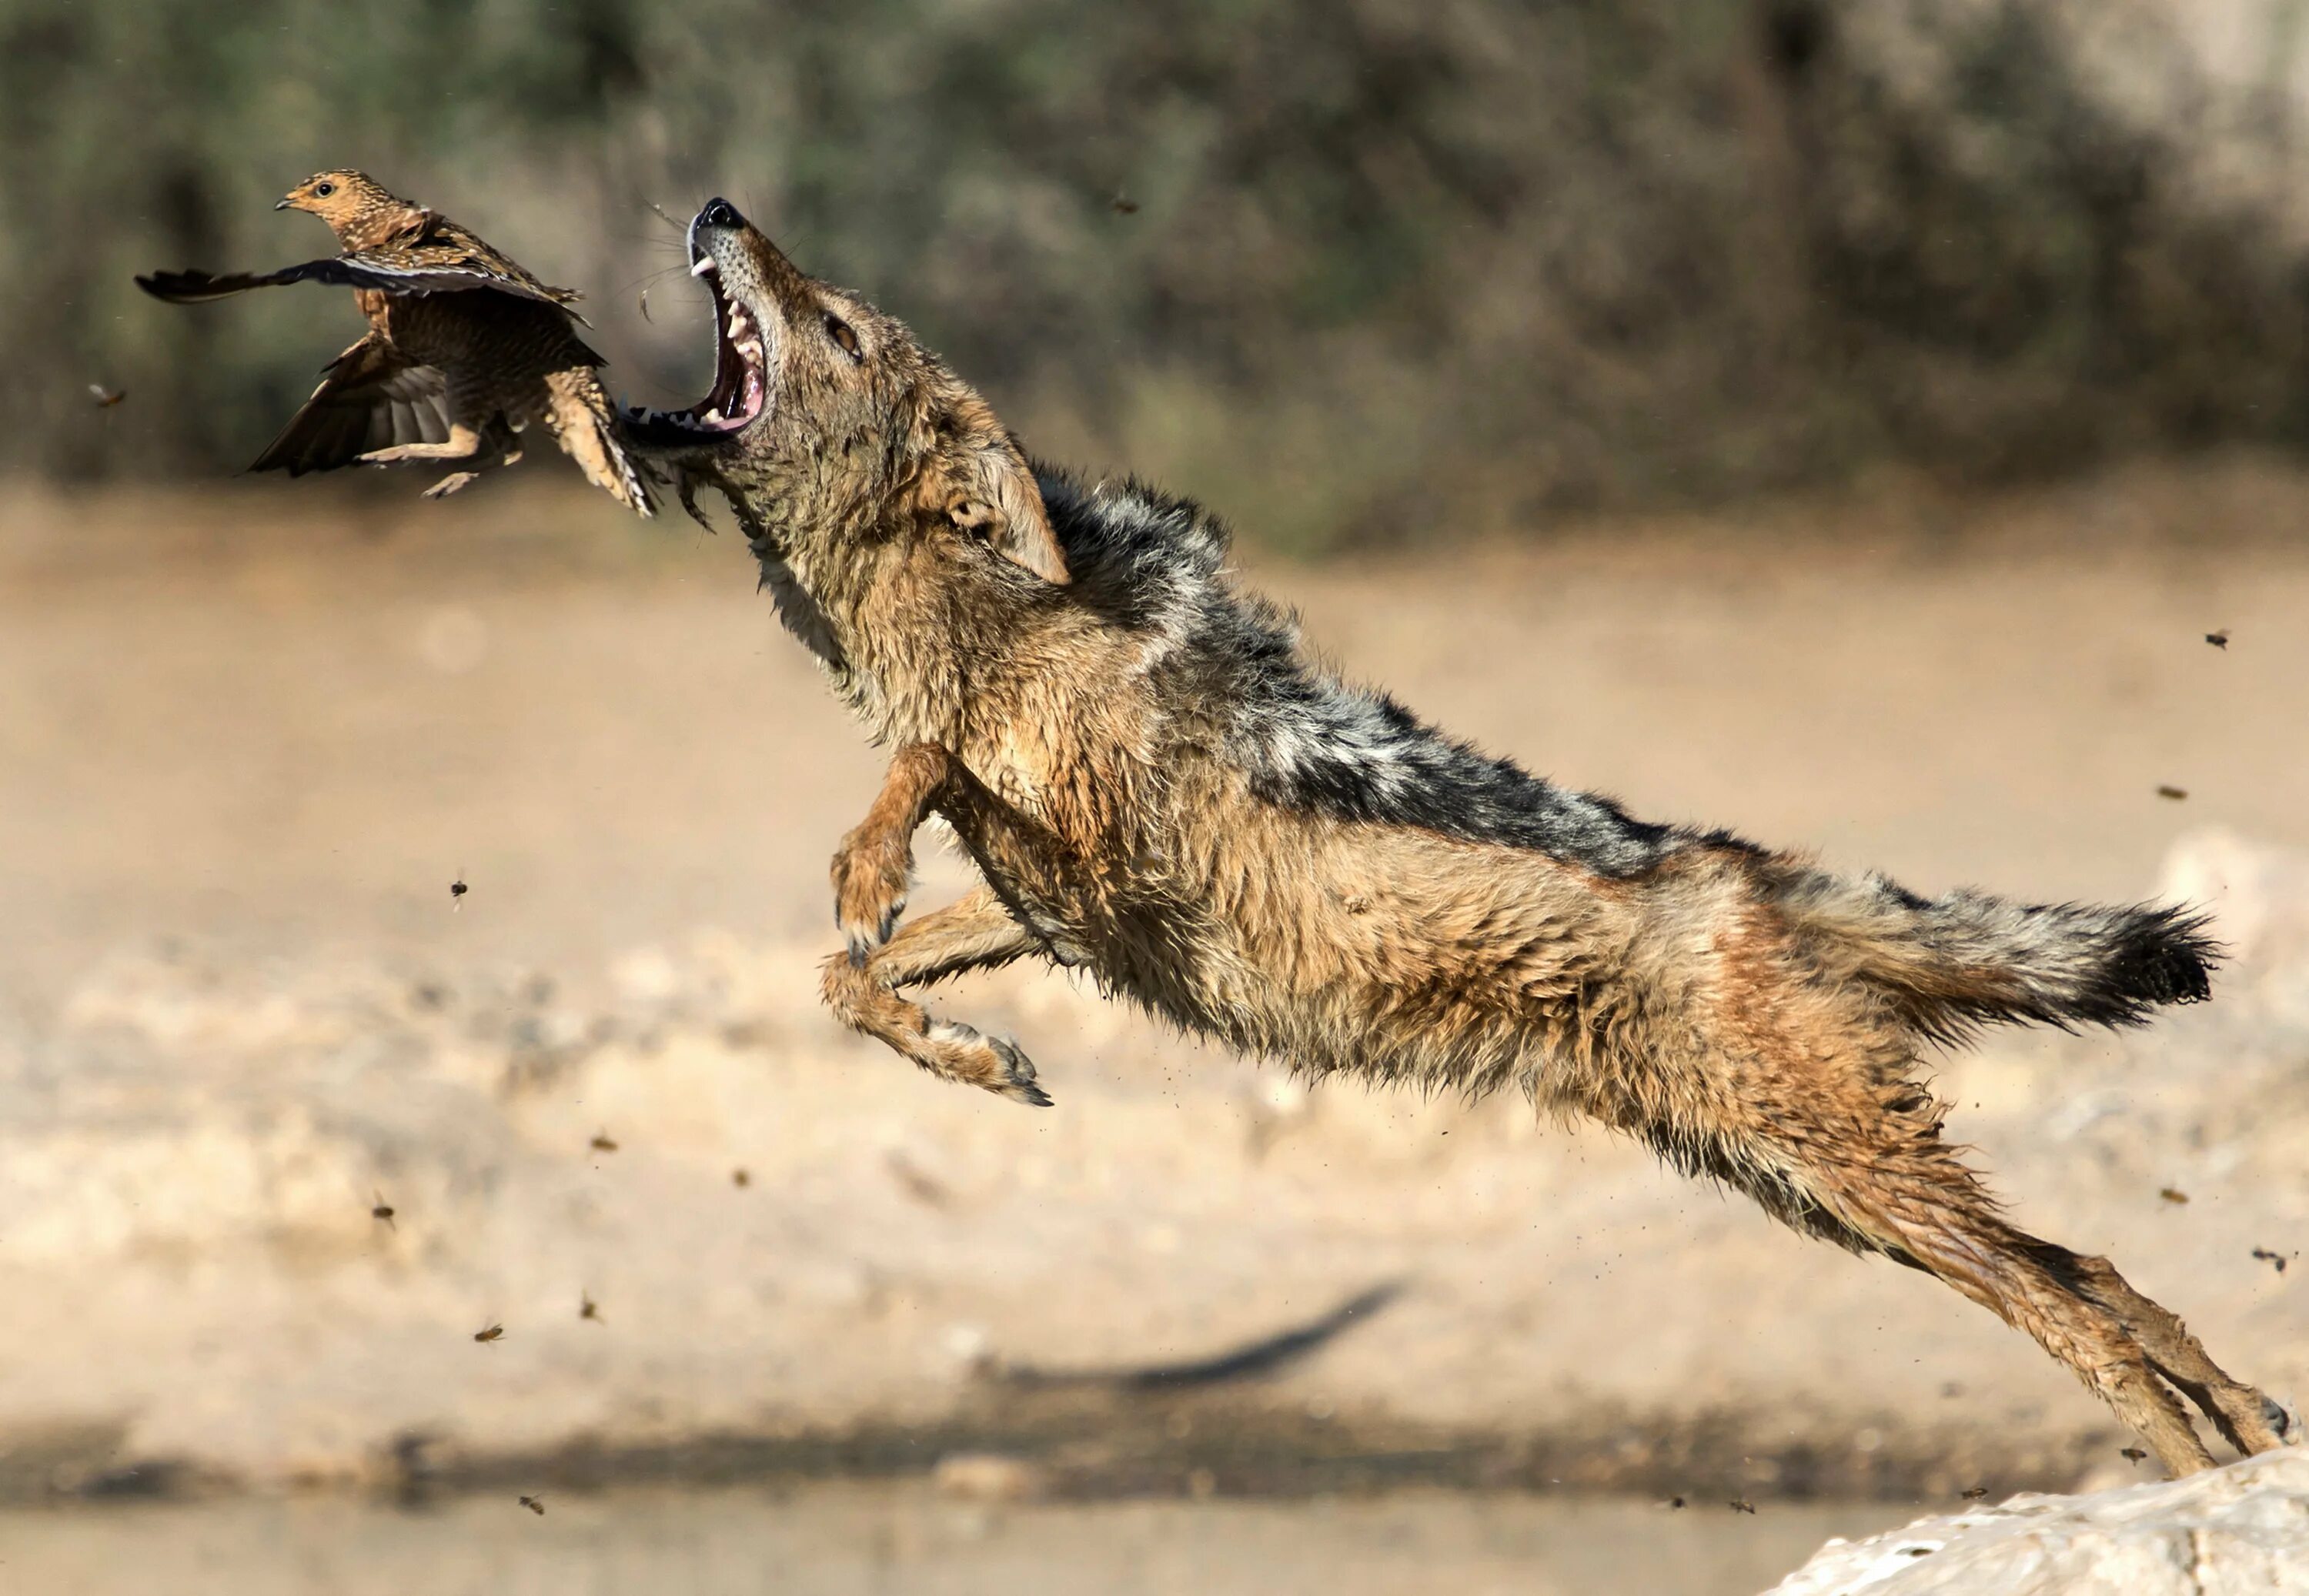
{"x":248,"y":739}
{"x":853,"y":1541}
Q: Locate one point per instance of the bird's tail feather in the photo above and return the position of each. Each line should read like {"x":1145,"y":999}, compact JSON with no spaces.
{"x":584,"y":424}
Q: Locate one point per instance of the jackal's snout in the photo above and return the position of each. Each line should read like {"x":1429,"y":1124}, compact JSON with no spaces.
{"x":716,"y":219}
{"x":796,"y":360}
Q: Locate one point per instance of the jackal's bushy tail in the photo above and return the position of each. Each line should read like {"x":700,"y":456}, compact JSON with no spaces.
{"x":1969,"y":958}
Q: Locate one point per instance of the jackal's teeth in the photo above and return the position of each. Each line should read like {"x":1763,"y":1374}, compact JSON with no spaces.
{"x":705,"y":264}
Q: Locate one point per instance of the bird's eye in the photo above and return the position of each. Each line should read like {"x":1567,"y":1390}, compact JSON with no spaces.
{"x":839,"y":331}
{"x":324,"y":189}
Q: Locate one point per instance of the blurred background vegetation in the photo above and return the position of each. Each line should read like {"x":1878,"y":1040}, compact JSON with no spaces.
{"x":1357,"y":270}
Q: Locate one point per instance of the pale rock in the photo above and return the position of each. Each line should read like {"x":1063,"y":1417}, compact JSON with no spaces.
{"x":2227,"y":1530}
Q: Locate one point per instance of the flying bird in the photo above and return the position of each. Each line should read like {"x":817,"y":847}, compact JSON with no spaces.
{"x":465,"y":348}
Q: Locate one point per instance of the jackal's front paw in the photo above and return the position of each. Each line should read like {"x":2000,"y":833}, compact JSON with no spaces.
{"x":869,"y":890}
{"x":962,"y":1053}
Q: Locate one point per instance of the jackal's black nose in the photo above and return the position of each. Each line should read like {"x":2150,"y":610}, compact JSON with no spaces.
{"x":720,"y":212}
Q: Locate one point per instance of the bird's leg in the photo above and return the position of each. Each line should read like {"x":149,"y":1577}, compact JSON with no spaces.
{"x":504,"y":438}
{"x":450,"y":484}
{"x":464,"y":443}
{"x":503,"y":445}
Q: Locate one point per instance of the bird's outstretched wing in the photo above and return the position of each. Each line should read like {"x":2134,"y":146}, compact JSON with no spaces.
{"x":440,"y":243}
{"x":399,"y":271}
{"x":370,"y":397}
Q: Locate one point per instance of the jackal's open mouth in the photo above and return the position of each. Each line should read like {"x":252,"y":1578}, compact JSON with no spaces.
{"x":741,"y":377}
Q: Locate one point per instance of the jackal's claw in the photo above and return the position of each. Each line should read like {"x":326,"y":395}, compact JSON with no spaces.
{"x":869,"y":892}
{"x":1018,"y":1082}
{"x":861,"y":947}
{"x":2282,"y":1418}
{"x":964,"y":1053}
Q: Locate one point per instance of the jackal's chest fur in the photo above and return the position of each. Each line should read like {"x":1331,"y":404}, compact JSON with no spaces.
{"x":1379,"y":950}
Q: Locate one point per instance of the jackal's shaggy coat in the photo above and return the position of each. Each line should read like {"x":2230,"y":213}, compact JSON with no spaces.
{"x":1161,"y":788}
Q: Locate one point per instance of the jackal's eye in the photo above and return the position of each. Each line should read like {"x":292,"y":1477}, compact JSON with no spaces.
{"x":839,"y":331}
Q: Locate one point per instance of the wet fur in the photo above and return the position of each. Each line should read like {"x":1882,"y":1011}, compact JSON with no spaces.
{"x":1162,"y":787}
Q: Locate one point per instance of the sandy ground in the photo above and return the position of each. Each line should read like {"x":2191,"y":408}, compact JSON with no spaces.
{"x":247,"y":740}
{"x":850,"y":1540}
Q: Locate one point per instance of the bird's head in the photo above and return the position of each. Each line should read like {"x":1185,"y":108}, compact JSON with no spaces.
{"x":341,"y":198}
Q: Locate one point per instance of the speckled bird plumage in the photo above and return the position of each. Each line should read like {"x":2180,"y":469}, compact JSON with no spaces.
{"x":465,"y":349}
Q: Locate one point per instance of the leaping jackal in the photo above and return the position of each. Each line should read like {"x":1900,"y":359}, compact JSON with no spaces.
{"x":1159,"y":786}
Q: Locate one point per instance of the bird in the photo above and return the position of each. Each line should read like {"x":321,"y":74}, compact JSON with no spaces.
{"x":465,"y":348}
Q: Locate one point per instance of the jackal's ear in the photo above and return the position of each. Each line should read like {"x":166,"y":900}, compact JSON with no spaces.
{"x":989,"y":493}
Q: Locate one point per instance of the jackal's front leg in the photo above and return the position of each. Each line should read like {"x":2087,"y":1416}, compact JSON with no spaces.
{"x":876,"y":860}
{"x":875,"y":865}
{"x":871,"y":872}
{"x":974,"y":932}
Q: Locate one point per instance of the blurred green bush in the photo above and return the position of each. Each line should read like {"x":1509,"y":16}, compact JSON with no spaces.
{"x":1360,"y":269}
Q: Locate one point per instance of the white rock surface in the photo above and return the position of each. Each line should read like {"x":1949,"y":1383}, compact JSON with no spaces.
{"x":2220,"y":1534}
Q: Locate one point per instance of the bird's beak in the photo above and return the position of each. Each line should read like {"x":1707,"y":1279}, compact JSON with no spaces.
{"x":282,"y":205}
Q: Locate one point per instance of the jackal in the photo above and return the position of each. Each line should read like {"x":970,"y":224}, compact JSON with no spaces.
{"x":1158,"y":786}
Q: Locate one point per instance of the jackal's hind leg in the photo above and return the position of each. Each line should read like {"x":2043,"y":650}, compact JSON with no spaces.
{"x":974,"y":932}
{"x":2247,"y":1421}
{"x":1910,"y":1197}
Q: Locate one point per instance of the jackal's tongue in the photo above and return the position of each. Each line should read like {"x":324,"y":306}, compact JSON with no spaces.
{"x":740,"y":376}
